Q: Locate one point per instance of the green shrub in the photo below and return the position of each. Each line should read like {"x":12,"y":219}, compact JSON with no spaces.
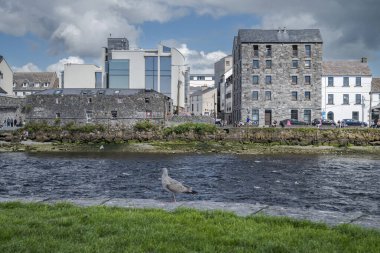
{"x":144,"y":126}
{"x":198,"y":128}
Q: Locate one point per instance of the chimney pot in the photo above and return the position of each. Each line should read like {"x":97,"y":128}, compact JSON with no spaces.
{"x":364,"y":59}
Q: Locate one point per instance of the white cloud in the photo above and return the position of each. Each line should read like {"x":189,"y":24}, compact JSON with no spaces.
{"x":59,"y":66}
{"x":29,"y":67}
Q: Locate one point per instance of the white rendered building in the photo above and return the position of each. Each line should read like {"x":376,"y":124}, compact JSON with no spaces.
{"x":346,"y":87}
{"x":6,"y":77}
{"x":161,"y":69}
{"x":226,"y":96}
{"x":203,"y":102}
{"x":201,"y":80}
{"x":82,"y":76}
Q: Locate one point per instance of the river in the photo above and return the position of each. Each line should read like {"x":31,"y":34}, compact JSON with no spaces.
{"x":323,"y":182}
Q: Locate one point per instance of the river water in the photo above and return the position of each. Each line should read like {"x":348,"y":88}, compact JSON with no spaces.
{"x":323,"y":182}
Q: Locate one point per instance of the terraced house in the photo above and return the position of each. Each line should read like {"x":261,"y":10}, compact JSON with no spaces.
{"x":277,"y":75}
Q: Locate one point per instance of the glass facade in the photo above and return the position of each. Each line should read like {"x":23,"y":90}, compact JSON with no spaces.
{"x":118,"y":74}
{"x":165,"y":75}
{"x":151,"y":72}
{"x":98,"y":79}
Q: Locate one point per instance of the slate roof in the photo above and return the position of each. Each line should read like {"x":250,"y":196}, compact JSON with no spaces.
{"x":35,"y":77}
{"x":2,"y":91}
{"x":375,"y":85}
{"x":280,"y":36}
{"x":345,"y":68}
{"x":95,"y":91}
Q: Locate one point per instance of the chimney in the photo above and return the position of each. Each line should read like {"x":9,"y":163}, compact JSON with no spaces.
{"x":285,"y":29}
{"x":364,"y":59}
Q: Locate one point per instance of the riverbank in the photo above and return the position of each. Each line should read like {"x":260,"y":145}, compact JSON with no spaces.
{"x":230,"y":147}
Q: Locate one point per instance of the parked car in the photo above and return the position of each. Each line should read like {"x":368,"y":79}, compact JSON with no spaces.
{"x":353,"y":122}
{"x":325,"y":122}
{"x":292,"y":122}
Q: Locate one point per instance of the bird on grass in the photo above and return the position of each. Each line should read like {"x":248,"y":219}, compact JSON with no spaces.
{"x":173,"y":186}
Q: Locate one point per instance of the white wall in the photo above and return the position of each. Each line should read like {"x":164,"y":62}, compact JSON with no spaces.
{"x":80,"y":75}
{"x":136,"y":66}
{"x":6,"y":83}
{"x":345,"y":111}
{"x":208,"y":102}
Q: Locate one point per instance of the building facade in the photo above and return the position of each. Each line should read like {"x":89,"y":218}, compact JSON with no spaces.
{"x":220,"y":68}
{"x":346,"y":87}
{"x":161,"y":69}
{"x":202,"y":80}
{"x":203,"y":102}
{"x":226,"y":97}
{"x":27,"y":83}
{"x":82,"y":76}
{"x":122,"y":107}
{"x":375,"y":99}
{"x":6,"y":78}
{"x":277,"y":75}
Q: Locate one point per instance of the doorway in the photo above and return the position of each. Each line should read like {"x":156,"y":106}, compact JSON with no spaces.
{"x":268,"y":117}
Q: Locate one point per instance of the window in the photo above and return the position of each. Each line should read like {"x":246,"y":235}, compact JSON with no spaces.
{"x":118,"y":74}
{"x":330,"y":116}
{"x":58,"y":115}
{"x":355,"y":115}
{"x":1,"y":75}
{"x":295,"y":50}
{"x":37,"y":85}
{"x":98,"y":79}
{"x":255,"y":50}
{"x":268,"y":51}
{"x":255,"y":95}
{"x":147,"y":100}
{"x":268,"y":64}
{"x":307,"y":116}
{"x":294,"y":63}
{"x":256,"y":64}
{"x":268,"y":79}
{"x":166,"y":75}
{"x":330,"y":81}
{"x":255,"y":79}
{"x":307,"y":95}
{"x":151,"y":72}
{"x":57,"y":101}
{"x":294,"y":114}
{"x":119,"y":100}
{"x":166,"y":49}
{"x":307,"y":80}
{"x":346,"y":99}
{"x":25,"y":85}
{"x":330,"y":99}
{"x":294,"y":79}
{"x":88,"y":116}
{"x":89,"y":100}
{"x":308,"y":50}
{"x":358,"y":81}
{"x":307,"y":64}
{"x":268,"y":95}
{"x":294,"y":95}
{"x":46,"y":84}
{"x":227,"y":63}
{"x":114,"y":114}
{"x":346,"y":81}
{"x":255,"y":116}
{"x":358,"y":99}
{"x":14,"y":84}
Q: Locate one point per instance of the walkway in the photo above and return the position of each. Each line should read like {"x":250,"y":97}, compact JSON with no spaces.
{"x":240,"y":209}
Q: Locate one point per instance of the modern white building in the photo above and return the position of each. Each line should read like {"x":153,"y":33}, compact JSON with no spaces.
{"x":162,"y":69}
{"x":6,"y":77}
{"x":346,"y":87}
{"x":203,"y":102}
{"x":220,"y":69}
{"x":82,"y":76}
{"x":201,"y":80}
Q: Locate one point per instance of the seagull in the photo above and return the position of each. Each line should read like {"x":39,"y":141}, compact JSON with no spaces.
{"x":173,"y":186}
{"x":101,"y":147}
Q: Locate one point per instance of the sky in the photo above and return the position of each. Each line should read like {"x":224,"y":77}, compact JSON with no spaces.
{"x":43,"y":35}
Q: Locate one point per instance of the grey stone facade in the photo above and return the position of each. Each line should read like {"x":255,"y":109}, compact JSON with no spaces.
{"x":11,"y":108}
{"x":289,"y":98}
{"x":110,"y":107}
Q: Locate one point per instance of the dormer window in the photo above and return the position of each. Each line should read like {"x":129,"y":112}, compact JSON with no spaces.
{"x":24,"y":85}
{"x":46,"y":85}
{"x":14,"y":85}
{"x":36,"y":85}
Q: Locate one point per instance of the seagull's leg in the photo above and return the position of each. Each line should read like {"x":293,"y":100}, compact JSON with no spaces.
{"x":174,"y":198}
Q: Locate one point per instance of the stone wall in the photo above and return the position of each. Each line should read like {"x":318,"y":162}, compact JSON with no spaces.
{"x":111,"y":110}
{"x":12,"y":108}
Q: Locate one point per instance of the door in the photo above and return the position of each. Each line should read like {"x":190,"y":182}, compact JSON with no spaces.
{"x":268,"y":117}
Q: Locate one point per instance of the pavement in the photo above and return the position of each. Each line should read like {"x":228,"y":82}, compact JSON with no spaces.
{"x":331,"y":218}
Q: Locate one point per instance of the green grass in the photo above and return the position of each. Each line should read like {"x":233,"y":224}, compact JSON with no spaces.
{"x":68,"y":228}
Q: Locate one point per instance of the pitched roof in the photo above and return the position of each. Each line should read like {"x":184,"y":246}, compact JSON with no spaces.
{"x":345,"y":68}
{"x":375,"y":85}
{"x":94,"y":91}
{"x":2,"y":91}
{"x":36,"y":77}
{"x":280,"y":36}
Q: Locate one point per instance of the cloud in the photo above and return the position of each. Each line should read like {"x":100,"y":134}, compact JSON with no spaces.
{"x":29,"y":67}
{"x":59,"y":66}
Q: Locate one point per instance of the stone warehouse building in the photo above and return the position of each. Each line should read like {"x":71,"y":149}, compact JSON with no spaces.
{"x":277,"y":75}
{"x":112,"y":107}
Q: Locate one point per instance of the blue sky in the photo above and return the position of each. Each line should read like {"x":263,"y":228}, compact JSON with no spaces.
{"x":43,"y":35}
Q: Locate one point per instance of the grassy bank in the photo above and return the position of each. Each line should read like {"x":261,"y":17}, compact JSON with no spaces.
{"x":67,"y":228}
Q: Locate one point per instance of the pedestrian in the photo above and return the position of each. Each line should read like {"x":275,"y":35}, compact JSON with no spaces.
{"x":15,"y":122}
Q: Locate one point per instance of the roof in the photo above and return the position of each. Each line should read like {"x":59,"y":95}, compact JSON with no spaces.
{"x":95,"y":91}
{"x":35,"y":77}
{"x":1,"y":58}
{"x":345,"y":68}
{"x":2,"y":91}
{"x":375,"y":85}
{"x":280,"y":36}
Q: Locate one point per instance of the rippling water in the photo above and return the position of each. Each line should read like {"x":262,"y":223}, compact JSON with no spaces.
{"x":322,"y":182}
